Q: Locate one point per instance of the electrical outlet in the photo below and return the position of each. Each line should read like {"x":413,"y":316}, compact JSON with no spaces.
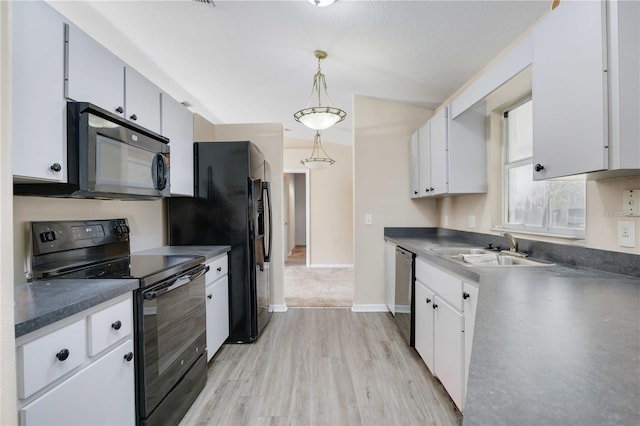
{"x":368,"y":219}
{"x":631,"y":202}
{"x":446,"y":220}
{"x":626,"y":234}
{"x":472,"y":221}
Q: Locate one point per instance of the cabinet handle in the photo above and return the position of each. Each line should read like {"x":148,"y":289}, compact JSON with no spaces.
{"x":538,"y":167}
{"x":134,"y":117}
{"x":209,"y":296}
{"x":415,"y":192}
{"x":119,"y":110}
{"x":431,"y":189}
{"x":56,"y":167}
{"x":116,"y":325}
{"x":428,"y":300}
{"x":465,"y":295}
{"x":219,"y":269}
{"x":63,"y":354}
{"x":435,"y":306}
{"x":426,"y":190}
{"x":129,"y":356}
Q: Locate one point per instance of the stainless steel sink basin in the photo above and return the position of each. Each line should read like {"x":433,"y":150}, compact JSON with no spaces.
{"x":479,"y":257}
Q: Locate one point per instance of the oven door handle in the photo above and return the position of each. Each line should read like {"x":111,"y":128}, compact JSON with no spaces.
{"x":179,"y":282}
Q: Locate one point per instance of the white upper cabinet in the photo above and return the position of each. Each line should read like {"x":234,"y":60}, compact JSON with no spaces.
{"x":414,"y":165}
{"x":142,"y":100}
{"x":177,"y":125}
{"x":38,"y":107}
{"x":452,"y":154}
{"x":586,"y":86}
{"x":94,"y":74}
{"x":569,"y":86}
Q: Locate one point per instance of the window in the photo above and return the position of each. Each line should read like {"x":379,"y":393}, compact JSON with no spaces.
{"x":551,"y":207}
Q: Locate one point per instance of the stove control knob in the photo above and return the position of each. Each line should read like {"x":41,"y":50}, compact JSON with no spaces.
{"x":51,"y":236}
{"x":43,"y":237}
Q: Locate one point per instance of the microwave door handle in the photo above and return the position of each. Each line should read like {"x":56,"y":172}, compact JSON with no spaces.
{"x":159,"y":171}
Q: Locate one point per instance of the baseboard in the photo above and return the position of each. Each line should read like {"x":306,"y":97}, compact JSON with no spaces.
{"x":369,"y":308}
{"x":278,"y":308}
{"x":331,"y":265}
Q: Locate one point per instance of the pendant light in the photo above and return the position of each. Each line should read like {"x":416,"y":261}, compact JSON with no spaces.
{"x":319,"y":117}
{"x":322,"y":3}
{"x":319,"y":158}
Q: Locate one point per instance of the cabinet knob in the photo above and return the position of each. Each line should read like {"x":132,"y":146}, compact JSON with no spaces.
{"x":133,"y":117}
{"x":415,"y":192}
{"x":209,"y":296}
{"x":538,"y":167}
{"x":435,"y":306}
{"x":430,"y":189}
{"x":63,"y":354}
{"x":56,"y":167}
{"x":116,"y":325}
{"x":119,"y":110}
{"x":428,"y":300}
{"x":129,"y":356}
{"x":465,"y":295}
{"x":219,"y":269}
{"x":426,"y":190}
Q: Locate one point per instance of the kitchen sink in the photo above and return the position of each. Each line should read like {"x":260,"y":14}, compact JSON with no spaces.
{"x":477,"y":257}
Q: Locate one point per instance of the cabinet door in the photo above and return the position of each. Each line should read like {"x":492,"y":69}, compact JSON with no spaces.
{"x":101,"y":394}
{"x":439,"y":160}
{"x":470,"y":297}
{"x":390,"y":275}
{"x":570,"y":91}
{"x":448,"y":348}
{"x":142,"y":99}
{"x":38,"y":107}
{"x":424,"y":323}
{"x":217,"y":315}
{"x":94,"y":74}
{"x":424,"y":154}
{"x":414,"y":165}
{"x":177,"y":125}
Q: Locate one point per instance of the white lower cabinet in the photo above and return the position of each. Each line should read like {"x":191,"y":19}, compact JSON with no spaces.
{"x":217,"y":292}
{"x":390,"y":275}
{"x":80,"y":370}
{"x":444,"y":320}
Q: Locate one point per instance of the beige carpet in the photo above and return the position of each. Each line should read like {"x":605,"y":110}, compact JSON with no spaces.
{"x":318,"y":287}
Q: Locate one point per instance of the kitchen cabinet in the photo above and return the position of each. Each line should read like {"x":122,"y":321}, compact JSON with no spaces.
{"x":38,"y":108}
{"x":217,"y":292}
{"x":441,"y":321}
{"x":93,"y":73}
{"x":390,"y":275}
{"x":414,"y":165}
{"x":177,"y":125}
{"x":142,"y":100}
{"x":452,"y":154}
{"x":59,"y":366}
{"x":586,"y":85}
{"x":470,"y":302}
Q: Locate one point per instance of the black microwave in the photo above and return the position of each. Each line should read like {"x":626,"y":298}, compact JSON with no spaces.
{"x":108,"y":157}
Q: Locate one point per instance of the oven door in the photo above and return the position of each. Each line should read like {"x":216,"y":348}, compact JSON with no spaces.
{"x":171,"y":334}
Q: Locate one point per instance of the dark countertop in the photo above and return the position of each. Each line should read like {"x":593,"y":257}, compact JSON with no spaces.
{"x":552,"y":345}
{"x":40,"y":303}
{"x":207,"y":251}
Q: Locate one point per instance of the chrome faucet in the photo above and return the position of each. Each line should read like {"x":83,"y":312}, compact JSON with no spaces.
{"x":513,"y":245}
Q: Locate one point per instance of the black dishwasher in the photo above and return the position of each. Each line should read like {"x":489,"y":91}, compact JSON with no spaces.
{"x":405,"y":278}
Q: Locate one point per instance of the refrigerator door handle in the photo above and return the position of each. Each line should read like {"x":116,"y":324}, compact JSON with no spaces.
{"x":266,"y":190}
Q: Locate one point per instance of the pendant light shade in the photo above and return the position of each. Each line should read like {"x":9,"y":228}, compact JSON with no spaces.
{"x":322,"y":3}
{"x":319,"y":158}
{"x":322,"y":116}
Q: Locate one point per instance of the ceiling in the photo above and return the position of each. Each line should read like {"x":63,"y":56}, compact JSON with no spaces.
{"x":253,"y":61}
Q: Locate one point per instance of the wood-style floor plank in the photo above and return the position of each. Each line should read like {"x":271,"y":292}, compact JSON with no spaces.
{"x":322,"y":367}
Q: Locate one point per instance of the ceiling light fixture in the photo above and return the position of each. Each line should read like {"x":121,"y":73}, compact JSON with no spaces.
{"x":322,"y":3}
{"x":322,"y":116}
{"x":319,"y":158}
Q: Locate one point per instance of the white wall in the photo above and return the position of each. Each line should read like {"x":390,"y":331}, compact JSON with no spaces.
{"x":300,"y":209}
{"x":8,"y":413}
{"x":381,"y":132}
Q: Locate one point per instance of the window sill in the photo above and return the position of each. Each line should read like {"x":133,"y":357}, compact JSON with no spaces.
{"x":574,"y":238}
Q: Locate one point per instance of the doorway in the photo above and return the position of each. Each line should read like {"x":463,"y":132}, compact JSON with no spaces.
{"x":296,"y":217}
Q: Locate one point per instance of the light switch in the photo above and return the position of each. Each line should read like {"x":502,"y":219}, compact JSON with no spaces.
{"x":368,"y":219}
{"x":631,"y":202}
{"x":472,"y":221}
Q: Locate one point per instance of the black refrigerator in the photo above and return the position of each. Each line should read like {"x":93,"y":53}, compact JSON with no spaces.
{"x":231,"y":206}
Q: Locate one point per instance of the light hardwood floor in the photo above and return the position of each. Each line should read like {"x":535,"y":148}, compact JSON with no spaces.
{"x":322,"y":367}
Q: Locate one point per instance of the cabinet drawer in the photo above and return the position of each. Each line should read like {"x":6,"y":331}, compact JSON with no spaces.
{"x":109,"y":326}
{"x":218,"y":267}
{"x":443,"y":284}
{"x":42,"y":360}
